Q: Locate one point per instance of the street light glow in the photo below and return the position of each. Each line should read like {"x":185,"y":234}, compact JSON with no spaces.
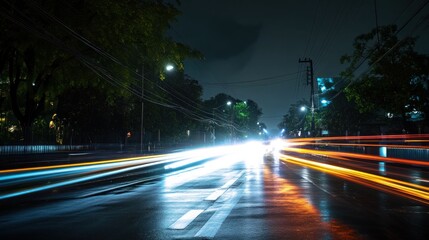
{"x":303,"y":108}
{"x":229,"y":103}
{"x":169,"y":67}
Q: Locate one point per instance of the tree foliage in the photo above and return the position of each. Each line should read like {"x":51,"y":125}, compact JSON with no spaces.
{"x":393,"y":65}
{"x":186,"y":94}
{"x":49,"y":46}
{"x":295,"y":120}
{"x":341,"y":117}
{"x":239,"y":117}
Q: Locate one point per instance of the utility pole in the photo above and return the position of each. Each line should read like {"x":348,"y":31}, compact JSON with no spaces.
{"x":142,"y":116}
{"x":376,"y":23}
{"x":310,"y":81}
{"x":213,"y":128}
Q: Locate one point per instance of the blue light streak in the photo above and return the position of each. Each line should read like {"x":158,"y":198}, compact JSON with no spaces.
{"x":67,"y":175}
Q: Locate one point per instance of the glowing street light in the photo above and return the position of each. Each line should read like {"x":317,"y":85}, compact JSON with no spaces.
{"x":169,"y":67}
{"x":303,"y":108}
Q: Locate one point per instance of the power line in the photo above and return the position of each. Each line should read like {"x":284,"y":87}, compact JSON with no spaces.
{"x":252,"y":81}
{"x":389,"y":50}
{"x":100,"y":70}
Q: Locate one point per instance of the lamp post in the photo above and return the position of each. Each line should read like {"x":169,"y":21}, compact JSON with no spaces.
{"x":168,"y":68}
{"x":142,"y":111}
{"x":303,"y":109}
{"x":213,"y":128}
{"x":312,"y":126}
{"x":229,"y":103}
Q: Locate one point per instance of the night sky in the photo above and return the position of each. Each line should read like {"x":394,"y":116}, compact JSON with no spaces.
{"x":252,"y":48}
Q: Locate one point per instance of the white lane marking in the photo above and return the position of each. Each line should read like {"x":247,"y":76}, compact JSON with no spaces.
{"x":212,"y":226}
{"x":216,"y":194}
{"x":186,"y":219}
{"x":78,"y":154}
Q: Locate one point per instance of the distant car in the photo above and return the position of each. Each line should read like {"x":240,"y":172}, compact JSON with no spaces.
{"x":269,"y":148}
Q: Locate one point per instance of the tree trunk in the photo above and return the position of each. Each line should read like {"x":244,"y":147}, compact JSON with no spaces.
{"x":27,"y":132}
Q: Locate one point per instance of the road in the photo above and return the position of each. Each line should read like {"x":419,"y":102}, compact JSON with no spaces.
{"x":238,"y":192}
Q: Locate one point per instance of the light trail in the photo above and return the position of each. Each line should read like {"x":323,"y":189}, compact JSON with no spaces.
{"x":21,"y":181}
{"x":356,"y":167}
{"x":358,"y":156}
{"x":401,"y":188}
{"x":404,"y":137}
{"x":78,"y":164}
{"x":365,"y":145}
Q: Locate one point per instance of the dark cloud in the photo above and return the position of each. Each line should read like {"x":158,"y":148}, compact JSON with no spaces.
{"x":218,"y":38}
{"x":247,"y":40}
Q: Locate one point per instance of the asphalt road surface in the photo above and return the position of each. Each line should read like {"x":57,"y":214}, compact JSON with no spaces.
{"x":245,"y":193}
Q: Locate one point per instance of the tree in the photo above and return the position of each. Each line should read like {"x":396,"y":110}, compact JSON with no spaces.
{"x":295,"y":120}
{"x":83,"y":117}
{"x":218,"y":116}
{"x":49,"y":46}
{"x":238,"y":118}
{"x":255,"y":112}
{"x":341,"y":117}
{"x":386,"y":86}
{"x":186,"y":95}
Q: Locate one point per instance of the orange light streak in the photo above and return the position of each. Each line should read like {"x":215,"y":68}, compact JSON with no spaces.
{"x":359,"y":156}
{"x":369,"y":145}
{"x":372,"y":137}
{"x":80,"y":164}
{"x":394,"y":186}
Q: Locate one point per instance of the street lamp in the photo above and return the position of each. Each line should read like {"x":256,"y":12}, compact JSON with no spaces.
{"x":169,"y":68}
{"x":229,"y":103}
{"x":312,"y":129}
{"x":142,"y":116}
{"x":213,"y":134}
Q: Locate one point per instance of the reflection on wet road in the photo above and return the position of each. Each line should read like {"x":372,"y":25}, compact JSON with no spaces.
{"x":245,"y":191}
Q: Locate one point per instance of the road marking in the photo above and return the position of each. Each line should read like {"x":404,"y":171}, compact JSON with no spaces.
{"x":186,"y":219}
{"x":216,"y":194}
{"x":213,"y":225}
{"x":79,"y":154}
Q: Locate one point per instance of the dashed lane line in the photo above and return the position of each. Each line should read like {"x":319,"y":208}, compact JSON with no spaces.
{"x":216,"y":194}
{"x":213,"y":225}
{"x":186,"y":219}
